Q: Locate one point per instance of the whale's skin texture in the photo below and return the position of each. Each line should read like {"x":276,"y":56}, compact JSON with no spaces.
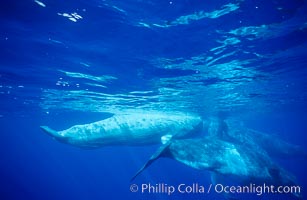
{"x":245,"y":163}
{"x":242,"y":163}
{"x":222,"y":157}
{"x":130,"y":129}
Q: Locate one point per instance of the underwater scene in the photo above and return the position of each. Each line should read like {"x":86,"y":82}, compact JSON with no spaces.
{"x":153,"y":99}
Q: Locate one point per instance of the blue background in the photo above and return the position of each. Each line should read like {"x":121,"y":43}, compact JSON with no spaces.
{"x":246,"y":59}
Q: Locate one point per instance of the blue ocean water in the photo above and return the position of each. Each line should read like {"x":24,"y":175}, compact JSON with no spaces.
{"x":74,"y":62}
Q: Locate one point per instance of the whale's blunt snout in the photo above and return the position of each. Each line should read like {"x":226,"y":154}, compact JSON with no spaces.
{"x":53,"y":133}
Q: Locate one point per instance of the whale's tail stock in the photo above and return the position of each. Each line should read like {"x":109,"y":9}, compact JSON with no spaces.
{"x":54,"y":134}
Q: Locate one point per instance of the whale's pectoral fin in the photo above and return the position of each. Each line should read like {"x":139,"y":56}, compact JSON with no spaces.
{"x":159,"y":153}
{"x":53,"y":133}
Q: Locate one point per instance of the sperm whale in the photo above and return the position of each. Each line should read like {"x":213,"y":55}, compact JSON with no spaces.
{"x":245,"y":163}
{"x":132,"y":129}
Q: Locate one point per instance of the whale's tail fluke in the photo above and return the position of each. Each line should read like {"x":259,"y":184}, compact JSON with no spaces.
{"x":55,"y":134}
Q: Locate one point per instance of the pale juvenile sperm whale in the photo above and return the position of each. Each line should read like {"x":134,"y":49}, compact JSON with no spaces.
{"x":245,"y":163}
{"x":139,"y":128}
